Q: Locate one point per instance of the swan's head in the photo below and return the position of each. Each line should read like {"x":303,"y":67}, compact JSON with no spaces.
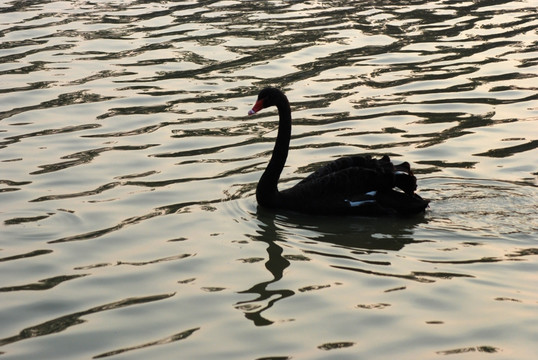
{"x":268,"y":97}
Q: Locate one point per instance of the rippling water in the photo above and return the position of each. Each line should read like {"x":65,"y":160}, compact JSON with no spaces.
{"x":129,"y":228}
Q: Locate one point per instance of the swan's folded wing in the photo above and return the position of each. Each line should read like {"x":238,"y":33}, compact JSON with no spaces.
{"x":331,"y":193}
{"x":344,"y":163}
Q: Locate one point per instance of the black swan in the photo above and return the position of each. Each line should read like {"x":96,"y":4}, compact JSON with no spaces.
{"x":355,"y":185}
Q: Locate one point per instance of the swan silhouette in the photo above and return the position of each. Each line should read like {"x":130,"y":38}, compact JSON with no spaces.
{"x":354,"y":185}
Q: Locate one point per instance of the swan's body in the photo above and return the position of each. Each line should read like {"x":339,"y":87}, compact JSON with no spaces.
{"x":351,"y":185}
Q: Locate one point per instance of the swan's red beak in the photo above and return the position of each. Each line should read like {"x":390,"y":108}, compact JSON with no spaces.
{"x":257,"y":107}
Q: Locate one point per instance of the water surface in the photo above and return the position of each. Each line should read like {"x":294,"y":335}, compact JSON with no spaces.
{"x":129,"y":227}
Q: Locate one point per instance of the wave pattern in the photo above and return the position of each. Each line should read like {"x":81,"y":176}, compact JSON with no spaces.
{"x":124,"y":142}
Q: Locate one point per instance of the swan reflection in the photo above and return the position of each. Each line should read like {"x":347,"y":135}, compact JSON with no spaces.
{"x":356,"y":235}
{"x":276,"y":264}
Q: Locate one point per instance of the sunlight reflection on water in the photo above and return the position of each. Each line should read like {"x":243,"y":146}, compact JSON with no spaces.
{"x":128,"y":168}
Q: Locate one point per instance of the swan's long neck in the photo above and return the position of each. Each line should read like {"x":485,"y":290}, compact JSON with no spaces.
{"x":267,"y":193}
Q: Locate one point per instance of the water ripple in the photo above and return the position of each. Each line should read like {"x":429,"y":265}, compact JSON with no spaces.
{"x":64,"y":322}
{"x":176,"y":337}
{"x":128,"y":164}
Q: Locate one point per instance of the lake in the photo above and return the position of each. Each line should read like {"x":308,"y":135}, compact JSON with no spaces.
{"x":129,"y":228}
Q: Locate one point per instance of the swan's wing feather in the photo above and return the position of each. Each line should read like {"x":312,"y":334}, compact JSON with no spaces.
{"x":347,"y":162}
{"x":403,"y":176}
{"x":356,"y":190}
{"x":339,"y":185}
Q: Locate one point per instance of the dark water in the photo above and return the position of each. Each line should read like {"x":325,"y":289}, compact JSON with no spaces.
{"x":128,"y":166}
